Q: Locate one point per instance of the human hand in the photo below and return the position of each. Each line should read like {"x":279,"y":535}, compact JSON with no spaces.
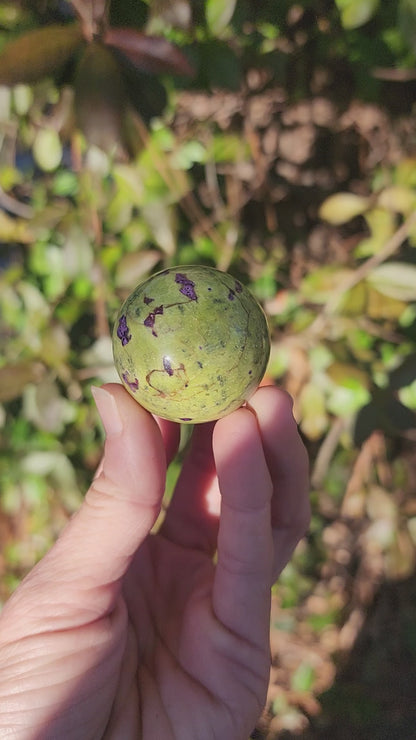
{"x":118,"y":633}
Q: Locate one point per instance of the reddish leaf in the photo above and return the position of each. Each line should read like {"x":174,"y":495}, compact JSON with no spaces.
{"x":38,"y":53}
{"x":152,"y":54}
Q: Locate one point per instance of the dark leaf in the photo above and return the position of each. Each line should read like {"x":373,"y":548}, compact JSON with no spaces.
{"x":152,"y":54}
{"x":100,"y":96}
{"x":38,"y":53}
{"x":219,"y":65}
{"x":146,"y":94}
{"x":133,"y":13}
{"x":403,"y":375}
{"x":384,"y":413}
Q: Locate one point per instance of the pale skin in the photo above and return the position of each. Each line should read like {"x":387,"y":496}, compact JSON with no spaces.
{"x":119,"y":633}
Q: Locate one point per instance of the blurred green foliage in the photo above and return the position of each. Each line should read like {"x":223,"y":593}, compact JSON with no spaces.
{"x":262,"y":164}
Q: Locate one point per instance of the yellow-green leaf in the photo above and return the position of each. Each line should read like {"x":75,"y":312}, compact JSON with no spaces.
{"x":355,"y":13}
{"x":314,"y":419}
{"x":398,"y":198}
{"x":342,"y":207}
{"x":382,"y":224}
{"x":347,"y":375}
{"x":14,"y":230}
{"x":380,"y":306}
{"x":218,"y":14}
{"x":320,"y":285}
{"x":47,"y":149}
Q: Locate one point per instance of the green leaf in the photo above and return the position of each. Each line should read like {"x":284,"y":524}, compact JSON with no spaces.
{"x":65,"y":184}
{"x":407,"y":396}
{"x":395,"y":280}
{"x":348,"y":376}
{"x":188,"y":154}
{"x":355,"y":13}
{"x":229,"y":148}
{"x":38,"y":53}
{"x":319,"y":286}
{"x":220,"y":67}
{"x":303,"y":677}
{"x":407,"y":22}
{"x":218,"y":14}
{"x":347,"y":400}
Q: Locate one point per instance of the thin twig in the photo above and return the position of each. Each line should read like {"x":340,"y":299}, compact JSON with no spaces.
{"x":327,"y":451}
{"x":14,"y":206}
{"x":390,"y":247}
{"x":394,"y":75}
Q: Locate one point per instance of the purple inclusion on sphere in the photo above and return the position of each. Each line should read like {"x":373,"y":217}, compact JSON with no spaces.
{"x":123,"y":331}
{"x":188,"y":286}
{"x":132,"y":384}
{"x":151,"y":318}
{"x":167,"y":366}
{"x":238,"y":287}
{"x":148,"y":300}
{"x":185,"y":418}
{"x":231,"y":295}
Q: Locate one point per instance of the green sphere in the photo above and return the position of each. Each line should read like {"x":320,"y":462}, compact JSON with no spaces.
{"x":191,"y":344}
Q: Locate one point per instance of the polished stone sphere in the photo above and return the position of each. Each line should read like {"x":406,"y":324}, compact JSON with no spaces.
{"x":191,"y":344}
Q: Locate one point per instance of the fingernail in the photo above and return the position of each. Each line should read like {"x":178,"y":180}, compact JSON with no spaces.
{"x":109,"y":413}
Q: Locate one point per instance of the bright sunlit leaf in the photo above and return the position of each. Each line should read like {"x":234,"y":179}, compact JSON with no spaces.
{"x":395,"y":280}
{"x":342,"y":207}
{"x":355,"y":13}
{"x":47,"y":149}
{"x":218,"y":14}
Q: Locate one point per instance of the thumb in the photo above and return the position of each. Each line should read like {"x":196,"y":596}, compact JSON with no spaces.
{"x":97,"y":546}
{"x":124,"y":499}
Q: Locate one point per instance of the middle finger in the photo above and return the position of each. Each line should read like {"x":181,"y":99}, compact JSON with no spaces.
{"x":192,"y":516}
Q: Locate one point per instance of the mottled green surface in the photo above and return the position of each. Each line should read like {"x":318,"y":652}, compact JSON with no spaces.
{"x":191,"y":344}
